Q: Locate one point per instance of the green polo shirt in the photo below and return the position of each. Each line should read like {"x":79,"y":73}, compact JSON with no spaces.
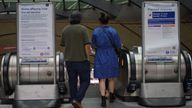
{"x":74,"y":37}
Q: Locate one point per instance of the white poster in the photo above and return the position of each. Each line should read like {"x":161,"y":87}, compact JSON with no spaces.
{"x":161,"y":34}
{"x":35,"y":30}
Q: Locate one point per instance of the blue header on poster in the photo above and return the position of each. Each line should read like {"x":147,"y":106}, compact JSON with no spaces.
{"x":163,"y":14}
{"x":161,"y":21}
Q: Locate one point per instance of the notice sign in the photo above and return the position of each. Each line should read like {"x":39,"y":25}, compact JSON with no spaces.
{"x":160,"y":28}
{"x":35,"y":23}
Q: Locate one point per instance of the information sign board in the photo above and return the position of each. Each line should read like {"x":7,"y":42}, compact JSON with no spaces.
{"x":35,"y":23}
{"x":160,"y":31}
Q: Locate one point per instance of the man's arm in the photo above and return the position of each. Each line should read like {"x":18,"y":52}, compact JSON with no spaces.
{"x":88,"y":50}
{"x":62,"y":42}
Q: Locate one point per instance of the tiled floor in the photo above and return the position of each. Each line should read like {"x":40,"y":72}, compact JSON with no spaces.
{"x":92,"y":100}
{"x":95,"y":103}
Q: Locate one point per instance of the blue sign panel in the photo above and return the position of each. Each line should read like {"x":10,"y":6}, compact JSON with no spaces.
{"x":161,"y":21}
{"x":163,"y":14}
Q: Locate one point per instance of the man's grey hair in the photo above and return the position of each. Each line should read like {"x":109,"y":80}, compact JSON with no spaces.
{"x":75,"y":17}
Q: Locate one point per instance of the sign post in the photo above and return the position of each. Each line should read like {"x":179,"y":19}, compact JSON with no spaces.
{"x":35,"y":47}
{"x":35,"y":34}
{"x":161,"y":40}
{"x":161,"y":44}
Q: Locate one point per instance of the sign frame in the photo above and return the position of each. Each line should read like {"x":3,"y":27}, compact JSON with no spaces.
{"x":35,"y":33}
{"x":30,"y":60}
{"x":166,"y":57}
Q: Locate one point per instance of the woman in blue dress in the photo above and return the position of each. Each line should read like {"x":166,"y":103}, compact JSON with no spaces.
{"x":105,"y":39}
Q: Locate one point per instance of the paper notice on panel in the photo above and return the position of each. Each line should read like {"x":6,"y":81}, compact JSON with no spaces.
{"x":36,"y":30}
{"x":161,"y":34}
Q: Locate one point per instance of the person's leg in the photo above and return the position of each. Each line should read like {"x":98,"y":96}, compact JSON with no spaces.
{"x":84,"y":76}
{"x":111,"y":85}
{"x":72,"y":74}
{"x":111,"y":90}
{"x":102,"y":89}
{"x":106,"y":87}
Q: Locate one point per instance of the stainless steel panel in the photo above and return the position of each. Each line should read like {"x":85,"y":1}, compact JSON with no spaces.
{"x":12,"y":72}
{"x":36,"y":92}
{"x":161,"y":90}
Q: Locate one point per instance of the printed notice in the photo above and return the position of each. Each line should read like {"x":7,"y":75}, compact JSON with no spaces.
{"x":35,"y":30}
{"x":161,"y":34}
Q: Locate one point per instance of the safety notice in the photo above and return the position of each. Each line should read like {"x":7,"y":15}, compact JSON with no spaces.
{"x":161,"y":33}
{"x":35,"y":30}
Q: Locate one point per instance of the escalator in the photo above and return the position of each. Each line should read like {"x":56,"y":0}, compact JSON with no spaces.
{"x":106,"y":6}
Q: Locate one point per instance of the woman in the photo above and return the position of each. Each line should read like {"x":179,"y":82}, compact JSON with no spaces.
{"x":105,"y":39}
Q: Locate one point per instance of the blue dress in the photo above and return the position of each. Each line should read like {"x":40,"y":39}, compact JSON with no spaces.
{"x":106,"y":61}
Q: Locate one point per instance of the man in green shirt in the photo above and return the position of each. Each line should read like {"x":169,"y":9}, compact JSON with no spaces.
{"x":77,"y":50}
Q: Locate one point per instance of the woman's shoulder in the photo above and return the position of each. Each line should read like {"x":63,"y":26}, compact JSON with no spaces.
{"x":97,"y":29}
{"x":111,"y":28}
{"x":102,"y":27}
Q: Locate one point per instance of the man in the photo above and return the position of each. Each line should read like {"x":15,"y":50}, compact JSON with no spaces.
{"x":77,"y":51}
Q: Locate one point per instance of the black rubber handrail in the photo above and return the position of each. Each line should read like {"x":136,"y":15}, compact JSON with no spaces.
{"x":133,"y":2}
{"x":5,"y":34}
{"x":106,"y":3}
